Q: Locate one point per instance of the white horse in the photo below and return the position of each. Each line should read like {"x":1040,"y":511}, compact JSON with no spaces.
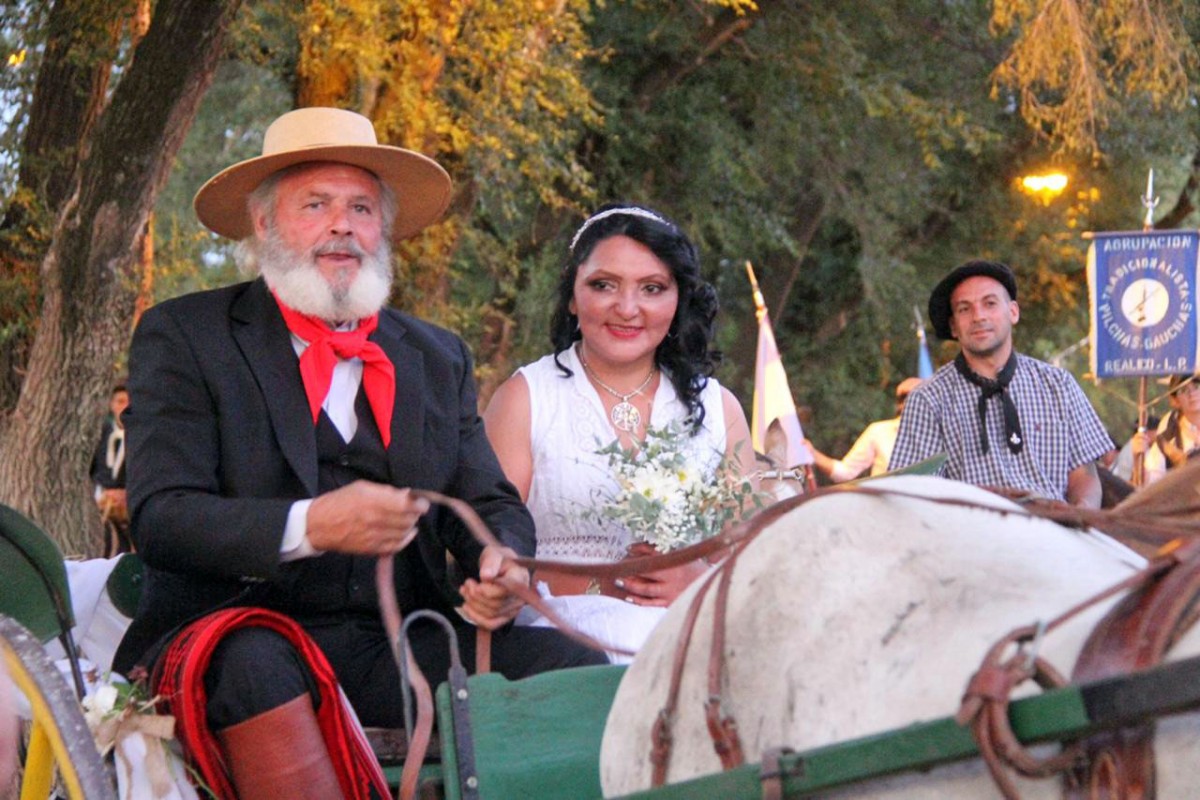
{"x":854,"y":614}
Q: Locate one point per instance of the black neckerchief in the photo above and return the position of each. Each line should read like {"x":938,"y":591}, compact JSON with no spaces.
{"x":989,"y":388}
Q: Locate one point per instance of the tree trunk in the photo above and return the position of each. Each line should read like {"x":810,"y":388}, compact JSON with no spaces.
{"x":90,"y":271}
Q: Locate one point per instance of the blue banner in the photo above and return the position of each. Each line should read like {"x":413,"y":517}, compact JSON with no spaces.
{"x":1142,"y":293}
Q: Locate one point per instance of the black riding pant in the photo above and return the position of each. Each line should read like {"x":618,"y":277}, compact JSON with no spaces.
{"x":254,"y":669}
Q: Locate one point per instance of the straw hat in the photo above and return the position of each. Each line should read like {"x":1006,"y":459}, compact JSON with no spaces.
{"x":1176,"y":381}
{"x":422,"y":187}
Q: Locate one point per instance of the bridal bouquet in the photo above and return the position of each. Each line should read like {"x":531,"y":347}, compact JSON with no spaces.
{"x":116,"y":708}
{"x":121,"y":717}
{"x":668,"y":502}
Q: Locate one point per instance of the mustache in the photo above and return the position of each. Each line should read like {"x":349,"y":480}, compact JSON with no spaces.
{"x":344,"y":248}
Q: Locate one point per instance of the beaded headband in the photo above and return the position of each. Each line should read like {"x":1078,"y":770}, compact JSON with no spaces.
{"x":629,"y":211}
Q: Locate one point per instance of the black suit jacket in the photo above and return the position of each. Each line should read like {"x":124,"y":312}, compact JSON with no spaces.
{"x":220,"y":443}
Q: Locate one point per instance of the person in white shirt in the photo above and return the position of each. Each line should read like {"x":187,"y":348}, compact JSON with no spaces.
{"x":873,"y":447}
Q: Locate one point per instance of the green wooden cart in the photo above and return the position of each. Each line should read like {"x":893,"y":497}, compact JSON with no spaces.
{"x":540,"y":737}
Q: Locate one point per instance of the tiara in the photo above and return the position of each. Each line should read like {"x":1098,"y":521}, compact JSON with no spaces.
{"x":629,"y":211}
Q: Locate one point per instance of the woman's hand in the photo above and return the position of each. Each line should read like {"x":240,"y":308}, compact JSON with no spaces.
{"x":490,"y":602}
{"x":659,"y":588}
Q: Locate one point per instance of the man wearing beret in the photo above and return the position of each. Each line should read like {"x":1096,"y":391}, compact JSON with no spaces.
{"x":1002,"y":418}
{"x":276,"y":430}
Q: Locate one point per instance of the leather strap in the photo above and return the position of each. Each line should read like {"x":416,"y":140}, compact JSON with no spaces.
{"x":722,"y":728}
{"x":985,"y":708}
{"x":1135,"y":634}
{"x":770,"y":773}
{"x":660,"y":734}
{"x":389,"y":609}
{"x":483,"y":651}
{"x":1158,"y":607}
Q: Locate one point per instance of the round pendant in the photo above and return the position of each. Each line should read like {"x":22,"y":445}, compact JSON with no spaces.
{"x":625,"y":417}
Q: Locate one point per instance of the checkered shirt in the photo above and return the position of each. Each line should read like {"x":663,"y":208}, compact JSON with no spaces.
{"x":1060,"y":426}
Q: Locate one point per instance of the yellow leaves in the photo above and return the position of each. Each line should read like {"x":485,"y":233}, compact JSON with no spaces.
{"x":1071,"y":60}
{"x":740,"y":7}
{"x":492,"y":88}
{"x":16,"y":59}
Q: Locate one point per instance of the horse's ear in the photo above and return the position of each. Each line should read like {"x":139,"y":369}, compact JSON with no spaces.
{"x":776,"y":445}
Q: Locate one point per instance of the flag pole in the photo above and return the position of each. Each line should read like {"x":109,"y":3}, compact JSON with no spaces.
{"x":924,"y":360}
{"x":760,"y":306}
{"x":1138,"y":476}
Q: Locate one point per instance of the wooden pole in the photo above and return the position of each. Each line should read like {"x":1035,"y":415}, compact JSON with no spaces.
{"x":760,"y":306}
{"x":1138,"y":477}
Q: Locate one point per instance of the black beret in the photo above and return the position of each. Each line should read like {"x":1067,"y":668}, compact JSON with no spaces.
{"x":939,"y":300}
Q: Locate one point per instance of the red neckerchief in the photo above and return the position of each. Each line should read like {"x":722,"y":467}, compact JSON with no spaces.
{"x":326,"y":346}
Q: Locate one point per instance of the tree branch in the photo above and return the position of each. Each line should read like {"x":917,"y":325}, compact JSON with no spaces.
{"x":809,"y":212}
{"x":676,"y":72}
{"x":1186,"y":202}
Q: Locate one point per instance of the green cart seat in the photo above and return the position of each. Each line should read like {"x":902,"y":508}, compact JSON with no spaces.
{"x":537,"y":738}
{"x":34,"y":590}
{"x":929,"y":466}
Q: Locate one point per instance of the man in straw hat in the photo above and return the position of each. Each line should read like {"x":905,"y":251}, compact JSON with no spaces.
{"x":1002,"y":418}
{"x":274,"y":430}
{"x":1176,"y":438}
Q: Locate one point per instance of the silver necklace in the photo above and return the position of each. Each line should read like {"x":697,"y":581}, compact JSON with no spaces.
{"x":624,"y":415}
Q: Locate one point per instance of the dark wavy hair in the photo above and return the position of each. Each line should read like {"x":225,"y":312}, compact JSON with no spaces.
{"x":685,"y":356}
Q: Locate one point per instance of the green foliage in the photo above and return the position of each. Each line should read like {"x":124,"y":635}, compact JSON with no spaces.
{"x":21,"y":39}
{"x":851,"y":152}
{"x":228,"y":128}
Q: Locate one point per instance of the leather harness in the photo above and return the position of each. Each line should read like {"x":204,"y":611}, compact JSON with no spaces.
{"x":1159,"y":607}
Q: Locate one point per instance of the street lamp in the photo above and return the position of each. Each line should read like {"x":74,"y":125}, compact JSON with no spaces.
{"x":1046,"y":186}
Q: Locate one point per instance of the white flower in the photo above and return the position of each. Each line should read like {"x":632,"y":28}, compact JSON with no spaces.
{"x":99,"y":704}
{"x":650,"y":482}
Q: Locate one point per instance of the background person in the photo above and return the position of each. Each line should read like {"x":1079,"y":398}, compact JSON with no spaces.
{"x":632,"y":336}
{"x":1122,"y":466}
{"x":1002,"y":418}
{"x":1177,"y":435}
{"x":273,"y":431}
{"x":874,"y":445}
{"x":108,"y":475}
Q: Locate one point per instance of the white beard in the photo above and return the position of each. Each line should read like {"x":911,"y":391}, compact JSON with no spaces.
{"x":296,"y":279}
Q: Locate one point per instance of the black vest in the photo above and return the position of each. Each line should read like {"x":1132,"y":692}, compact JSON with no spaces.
{"x":334,"y":585}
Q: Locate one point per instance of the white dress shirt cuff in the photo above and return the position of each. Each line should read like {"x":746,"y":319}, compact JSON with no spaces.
{"x":295,"y":534}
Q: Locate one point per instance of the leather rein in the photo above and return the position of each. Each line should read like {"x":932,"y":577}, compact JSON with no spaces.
{"x":1161,"y":599}
{"x":393,"y":621}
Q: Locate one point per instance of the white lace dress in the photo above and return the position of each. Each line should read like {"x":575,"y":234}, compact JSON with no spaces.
{"x":571,"y":481}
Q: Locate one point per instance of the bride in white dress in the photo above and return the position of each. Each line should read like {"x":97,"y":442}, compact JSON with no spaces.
{"x":631,"y":336}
